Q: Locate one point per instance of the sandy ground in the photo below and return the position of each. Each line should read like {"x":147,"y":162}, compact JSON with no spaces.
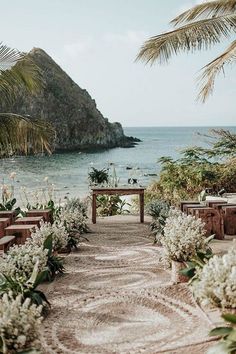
{"x":117,"y":298}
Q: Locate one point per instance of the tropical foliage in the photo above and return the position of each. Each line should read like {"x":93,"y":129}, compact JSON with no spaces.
{"x":198,"y":28}
{"x":20,"y":134}
{"x":197,"y":168}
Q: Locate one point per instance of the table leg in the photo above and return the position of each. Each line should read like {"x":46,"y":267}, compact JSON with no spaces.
{"x":141,"y":205}
{"x":94,"y":209}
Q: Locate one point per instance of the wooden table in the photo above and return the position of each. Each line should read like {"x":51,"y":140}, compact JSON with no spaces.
{"x":117,"y":191}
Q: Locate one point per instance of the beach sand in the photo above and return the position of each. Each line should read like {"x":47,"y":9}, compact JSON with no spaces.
{"x":117,"y":297}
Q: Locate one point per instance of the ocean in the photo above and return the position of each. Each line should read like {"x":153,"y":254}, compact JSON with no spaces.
{"x":68,"y":171}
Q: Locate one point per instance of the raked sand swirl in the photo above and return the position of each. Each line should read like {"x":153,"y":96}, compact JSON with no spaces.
{"x":116,"y":297}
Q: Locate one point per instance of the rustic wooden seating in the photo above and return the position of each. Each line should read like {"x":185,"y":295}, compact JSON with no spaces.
{"x":8,"y":214}
{"x":45,"y":213}
{"x":4,"y":222}
{"x":214,"y":203}
{"x":188,"y":207}
{"x":29,"y":220}
{"x":22,"y":232}
{"x":6,"y":242}
{"x":184,"y":202}
{"x":212,"y":219}
{"x":229,"y":216}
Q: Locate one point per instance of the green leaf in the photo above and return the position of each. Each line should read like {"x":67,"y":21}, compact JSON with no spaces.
{"x":220,"y":331}
{"x":232,"y":336}
{"x":48,"y":244}
{"x":40,"y":278}
{"x":229,"y":317}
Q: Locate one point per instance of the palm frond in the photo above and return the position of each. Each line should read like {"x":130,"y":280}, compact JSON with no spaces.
{"x":17,"y":72}
{"x":8,"y":57}
{"x":206,"y":10}
{"x":194,"y":36}
{"x":23,"y":135}
{"x":213,"y":69}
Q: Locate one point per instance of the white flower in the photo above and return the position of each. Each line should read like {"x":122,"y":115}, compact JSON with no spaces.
{"x":183,"y":236}
{"x":19,"y":324}
{"x":216,"y":283}
{"x":12,"y":175}
{"x":45,"y":179}
{"x":58,"y":232}
{"x":20,"y":260}
{"x":73,"y":220}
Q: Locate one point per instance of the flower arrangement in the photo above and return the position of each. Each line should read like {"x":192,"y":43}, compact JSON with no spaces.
{"x":73,"y":220}
{"x":58,"y":232}
{"x":20,"y":261}
{"x":19,"y":325}
{"x":216,"y":281}
{"x":183,"y":236}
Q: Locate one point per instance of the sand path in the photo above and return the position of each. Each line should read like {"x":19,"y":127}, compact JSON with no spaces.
{"x":116,"y":297}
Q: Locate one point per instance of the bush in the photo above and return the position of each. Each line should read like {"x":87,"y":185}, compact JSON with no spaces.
{"x":183,"y":237}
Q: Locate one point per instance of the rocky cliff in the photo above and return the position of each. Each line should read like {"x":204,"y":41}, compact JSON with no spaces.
{"x":70,"y":109}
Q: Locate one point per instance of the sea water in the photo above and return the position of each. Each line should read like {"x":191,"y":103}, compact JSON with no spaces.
{"x":69,"y":171}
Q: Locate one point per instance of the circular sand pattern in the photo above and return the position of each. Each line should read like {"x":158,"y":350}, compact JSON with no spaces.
{"x":124,"y":323}
{"x":116,"y":298}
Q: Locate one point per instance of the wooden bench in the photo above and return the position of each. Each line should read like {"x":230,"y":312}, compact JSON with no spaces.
{"x":229,"y":216}
{"x":8,"y":214}
{"x":188,"y":207}
{"x":184,"y":202}
{"x":212,"y":219}
{"x":29,"y":220}
{"x":4,"y":222}
{"x":6,"y":242}
{"x":22,"y":232}
{"x":45,"y":213}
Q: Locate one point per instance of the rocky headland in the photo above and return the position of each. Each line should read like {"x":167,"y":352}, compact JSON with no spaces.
{"x":78,"y":123}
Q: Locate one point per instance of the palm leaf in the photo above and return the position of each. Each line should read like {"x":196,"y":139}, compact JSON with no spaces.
{"x":213,"y":69}
{"x":191,"y":37}
{"x":8,"y":57}
{"x":23,"y":135}
{"x":17,"y":72}
{"x":205,"y":10}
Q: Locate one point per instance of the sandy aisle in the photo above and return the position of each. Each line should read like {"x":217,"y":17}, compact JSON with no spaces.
{"x":116,"y":298}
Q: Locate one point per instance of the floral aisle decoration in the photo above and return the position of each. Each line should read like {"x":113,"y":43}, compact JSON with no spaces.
{"x":183,"y":236}
{"x":73,"y":216}
{"x":73,"y":220}
{"x":20,"y":323}
{"x":20,"y":261}
{"x":215,"y":283}
{"x":56,"y":230}
{"x":54,"y":238}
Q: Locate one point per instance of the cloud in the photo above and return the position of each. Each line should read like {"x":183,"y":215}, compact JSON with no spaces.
{"x":81,"y":46}
{"x":129,"y":37}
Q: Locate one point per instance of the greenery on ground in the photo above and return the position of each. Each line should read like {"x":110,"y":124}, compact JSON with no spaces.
{"x":109,"y":205}
{"x":198,"y":28}
{"x":24,"y":267}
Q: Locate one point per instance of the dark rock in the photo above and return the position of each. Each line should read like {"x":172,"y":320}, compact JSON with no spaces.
{"x":71,"y":110}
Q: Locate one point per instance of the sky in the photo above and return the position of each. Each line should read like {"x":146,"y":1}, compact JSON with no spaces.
{"x":96,"y":43}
